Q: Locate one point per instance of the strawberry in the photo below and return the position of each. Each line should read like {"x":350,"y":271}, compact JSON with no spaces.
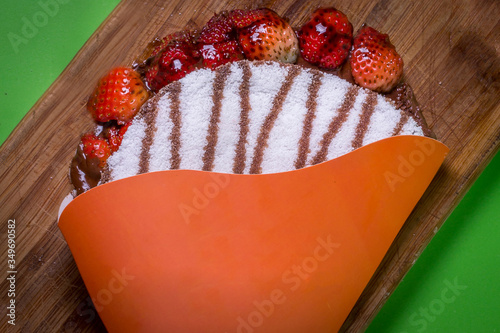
{"x":375,"y":64}
{"x":117,"y":96}
{"x":243,"y":18}
{"x":218,"y":43}
{"x":218,"y":29}
{"x":180,"y":36}
{"x":218,"y":54}
{"x":326,"y":39}
{"x":269,"y":37}
{"x":95,"y":147}
{"x":177,"y":56}
{"x":114,"y":135}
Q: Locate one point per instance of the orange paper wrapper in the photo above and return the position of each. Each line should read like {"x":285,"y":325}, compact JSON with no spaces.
{"x":194,"y":251}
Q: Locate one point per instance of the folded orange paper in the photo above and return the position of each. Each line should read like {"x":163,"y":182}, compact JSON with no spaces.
{"x":194,"y":251}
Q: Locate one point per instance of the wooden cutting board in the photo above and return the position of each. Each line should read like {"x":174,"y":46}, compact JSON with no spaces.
{"x":450,"y":49}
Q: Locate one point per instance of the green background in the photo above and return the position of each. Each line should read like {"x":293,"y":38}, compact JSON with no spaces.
{"x":453,"y":287}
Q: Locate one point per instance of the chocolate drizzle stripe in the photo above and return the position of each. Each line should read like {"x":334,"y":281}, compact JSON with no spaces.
{"x":175,"y":116}
{"x":311,"y":105}
{"x":213,"y":128}
{"x":149,"y":132}
{"x":266,"y":128}
{"x":402,"y":121}
{"x":336,"y":124}
{"x":364,"y":119}
{"x":240,"y":154}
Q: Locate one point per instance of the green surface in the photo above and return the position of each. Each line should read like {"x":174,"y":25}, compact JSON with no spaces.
{"x":38,"y":40}
{"x":455,"y":284}
{"x":453,"y":287}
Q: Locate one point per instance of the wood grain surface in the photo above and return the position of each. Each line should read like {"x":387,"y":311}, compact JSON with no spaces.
{"x":450,"y":49}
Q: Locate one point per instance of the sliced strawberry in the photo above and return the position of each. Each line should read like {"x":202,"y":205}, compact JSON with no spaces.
{"x":269,"y":38}
{"x":375,"y":64}
{"x":243,"y":18}
{"x":218,"y":29}
{"x":221,"y":53}
{"x":117,"y":96}
{"x":172,"y":61}
{"x":114,"y":135}
{"x":95,"y":147}
{"x":180,"y":36}
{"x":326,"y":39}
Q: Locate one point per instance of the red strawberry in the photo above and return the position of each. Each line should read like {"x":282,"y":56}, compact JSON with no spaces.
{"x":218,"y":43}
{"x":114,"y":135}
{"x":267,"y":38}
{"x":243,"y":18}
{"x":375,"y":64}
{"x":326,"y":39}
{"x":118,"y":96}
{"x":218,"y":54}
{"x":218,"y":29}
{"x":180,"y":36}
{"x":171,"y":61}
{"x":157,"y":45}
{"x":95,"y":147}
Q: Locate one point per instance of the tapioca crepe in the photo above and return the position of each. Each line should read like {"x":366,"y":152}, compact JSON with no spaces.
{"x":254,"y":118}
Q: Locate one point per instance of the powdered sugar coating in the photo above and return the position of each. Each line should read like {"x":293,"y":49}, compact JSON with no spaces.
{"x":196,"y":106}
{"x":382,"y":122}
{"x":284,"y":137}
{"x":411,"y":128}
{"x":160,"y":152}
{"x":265,"y":82}
{"x":125,"y":162}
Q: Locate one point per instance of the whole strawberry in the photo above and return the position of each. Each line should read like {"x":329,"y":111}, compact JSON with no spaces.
{"x":218,"y":29}
{"x":95,"y":147}
{"x":218,"y":43}
{"x":117,"y":96}
{"x":263,"y":35}
{"x":241,"y":18}
{"x":375,"y":64}
{"x":177,"y":56}
{"x":326,"y":39}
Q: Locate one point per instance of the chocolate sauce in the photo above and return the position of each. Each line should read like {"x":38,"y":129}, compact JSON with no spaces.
{"x":311,"y":105}
{"x":239,"y":161}
{"x":213,"y":130}
{"x":258,"y":154}
{"x":404,"y":99}
{"x":336,"y":124}
{"x":367,"y":111}
{"x":84,"y":173}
